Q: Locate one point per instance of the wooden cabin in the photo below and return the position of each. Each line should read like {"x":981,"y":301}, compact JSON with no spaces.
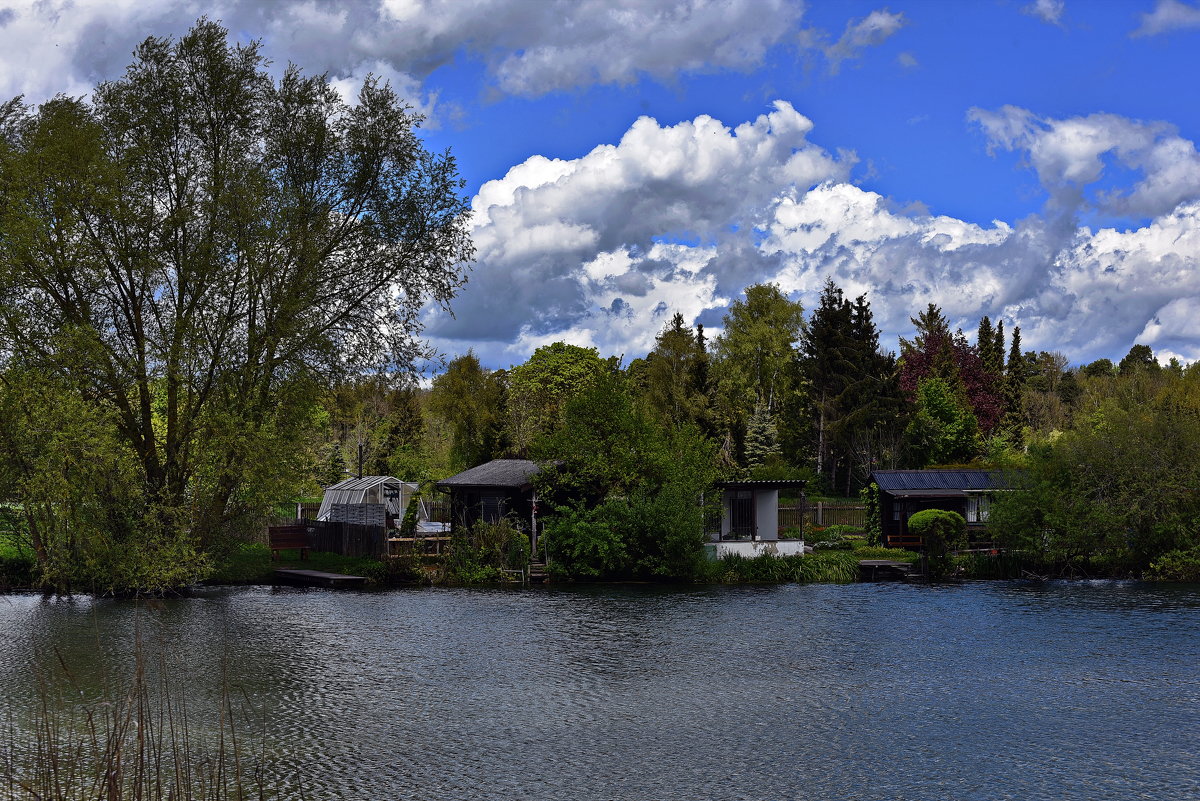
{"x":501,"y":488}
{"x":903,"y":493}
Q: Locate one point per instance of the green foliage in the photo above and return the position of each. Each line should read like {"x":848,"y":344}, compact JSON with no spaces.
{"x":187,"y":256}
{"x":474,"y":401}
{"x":1177,"y":565}
{"x":1117,"y":490}
{"x":18,"y":565}
{"x":942,"y":532}
{"x":891,"y":554}
{"x":840,"y":567}
{"x":758,"y":344}
{"x":762,"y":439}
{"x":542,"y":386}
{"x":943,"y":429}
{"x":484,"y":552}
{"x":676,"y":376}
{"x":627,"y":492}
{"x":1140,"y":357}
{"x":869,"y":495}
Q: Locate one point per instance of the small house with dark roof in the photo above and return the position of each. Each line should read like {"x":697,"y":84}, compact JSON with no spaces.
{"x":501,"y":488}
{"x":903,"y":493}
{"x":750,"y":519}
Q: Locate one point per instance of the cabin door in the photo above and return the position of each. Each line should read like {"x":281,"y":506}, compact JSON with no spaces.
{"x":741,"y":514}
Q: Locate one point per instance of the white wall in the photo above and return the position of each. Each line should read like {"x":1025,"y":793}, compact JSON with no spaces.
{"x":719,"y":550}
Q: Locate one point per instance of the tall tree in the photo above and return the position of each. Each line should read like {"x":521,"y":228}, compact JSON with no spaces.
{"x":936,"y":353}
{"x":850,"y":385}
{"x":541,"y":386}
{"x":200,"y":245}
{"x":758,"y":344}
{"x":676,"y":375}
{"x":473,"y":401}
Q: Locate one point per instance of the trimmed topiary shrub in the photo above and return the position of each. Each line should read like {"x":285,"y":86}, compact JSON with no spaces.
{"x":942,"y":533}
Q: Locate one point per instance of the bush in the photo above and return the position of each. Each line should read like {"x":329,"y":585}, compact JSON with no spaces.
{"x":483,"y":552}
{"x":1179,"y":565}
{"x":942,"y":532}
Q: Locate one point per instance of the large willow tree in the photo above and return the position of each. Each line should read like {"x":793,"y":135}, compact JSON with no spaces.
{"x":183,"y":259}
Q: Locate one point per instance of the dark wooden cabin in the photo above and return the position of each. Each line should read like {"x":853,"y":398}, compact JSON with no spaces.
{"x":903,"y":493}
{"x":501,"y":488}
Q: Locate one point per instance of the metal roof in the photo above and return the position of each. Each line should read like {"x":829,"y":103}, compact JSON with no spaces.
{"x":932,"y":482}
{"x":364,"y":483}
{"x":764,"y":483}
{"x":513,"y":473}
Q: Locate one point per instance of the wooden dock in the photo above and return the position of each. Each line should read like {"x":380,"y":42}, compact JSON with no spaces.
{"x":887,"y":570}
{"x":317,"y":578}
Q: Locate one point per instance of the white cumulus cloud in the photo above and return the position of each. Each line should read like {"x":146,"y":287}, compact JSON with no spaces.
{"x":529,"y":47}
{"x":602,"y":249}
{"x":1070,"y":154}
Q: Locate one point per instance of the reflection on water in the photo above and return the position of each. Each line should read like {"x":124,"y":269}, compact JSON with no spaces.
{"x":1060,"y":690}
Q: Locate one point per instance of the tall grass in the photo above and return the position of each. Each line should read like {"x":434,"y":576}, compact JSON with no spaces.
{"x":141,"y":743}
{"x":839,"y":567}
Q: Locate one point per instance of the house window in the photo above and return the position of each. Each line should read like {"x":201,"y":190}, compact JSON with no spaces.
{"x":492,"y":508}
{"x":977,"y":509}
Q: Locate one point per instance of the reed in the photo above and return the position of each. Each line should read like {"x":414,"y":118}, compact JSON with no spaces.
{"x":139,"y":743}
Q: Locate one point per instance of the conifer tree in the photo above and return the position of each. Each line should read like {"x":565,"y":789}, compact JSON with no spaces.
{"x":1014,"y":387}
{"x":762,"y":438}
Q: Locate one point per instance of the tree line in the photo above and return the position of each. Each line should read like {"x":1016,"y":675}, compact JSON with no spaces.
{"x":211,"y":283}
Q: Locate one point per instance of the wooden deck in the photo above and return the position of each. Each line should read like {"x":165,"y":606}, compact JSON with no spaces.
{"x":317,"y":578}
{"x":886,"y":570}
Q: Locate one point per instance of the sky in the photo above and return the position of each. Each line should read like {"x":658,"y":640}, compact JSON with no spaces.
{"x":1033,"y":161}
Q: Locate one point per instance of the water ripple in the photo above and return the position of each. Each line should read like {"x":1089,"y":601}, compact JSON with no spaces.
{"x":987,"y":691}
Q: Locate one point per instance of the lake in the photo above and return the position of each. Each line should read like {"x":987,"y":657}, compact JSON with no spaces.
{"x":1060,"y":690}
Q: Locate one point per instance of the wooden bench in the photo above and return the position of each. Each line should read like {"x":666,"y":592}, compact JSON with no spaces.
{"x":285,"y":538}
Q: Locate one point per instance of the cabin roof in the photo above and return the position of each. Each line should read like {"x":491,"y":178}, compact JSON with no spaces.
{"x":764,"y":483}
{"x":938,"y":483}
{"x":511,"y":473}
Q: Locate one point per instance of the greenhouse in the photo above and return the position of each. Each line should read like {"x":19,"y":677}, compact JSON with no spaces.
{"x":366,"y":499}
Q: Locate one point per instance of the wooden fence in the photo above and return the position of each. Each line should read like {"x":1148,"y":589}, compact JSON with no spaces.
{"x":822,"y":514}
{"x":347,"y":539}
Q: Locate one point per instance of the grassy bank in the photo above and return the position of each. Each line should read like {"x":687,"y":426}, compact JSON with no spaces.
{"x":826,"y":566}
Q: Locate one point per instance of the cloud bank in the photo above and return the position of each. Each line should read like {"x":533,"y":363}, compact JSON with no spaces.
{"x":601,"y":250}
{"x":529,"y":48}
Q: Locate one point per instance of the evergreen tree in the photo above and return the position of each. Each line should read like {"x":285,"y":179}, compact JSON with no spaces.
{"x":402,"y":436}
{"x":762,"y":439}
{"x":827,"y":352}
{"x":997,"y":352}
{"x":990,"y":346}
{"x":334,"y":468}
{"x":1014,"y":387}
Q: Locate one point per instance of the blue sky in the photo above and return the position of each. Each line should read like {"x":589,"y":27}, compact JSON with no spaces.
{"x":1033,"y":161}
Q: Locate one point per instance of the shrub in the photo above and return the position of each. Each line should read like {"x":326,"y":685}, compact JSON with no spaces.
{"x":942,"y":532}
{"x":1179,"y":565}
{"x":483,"y":552}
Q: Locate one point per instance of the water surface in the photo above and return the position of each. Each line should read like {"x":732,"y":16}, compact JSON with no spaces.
{"x":874,"y":691}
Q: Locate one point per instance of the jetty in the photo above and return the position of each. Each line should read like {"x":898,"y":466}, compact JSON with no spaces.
{"x":318,"y":578}
{"x":887,"y":570}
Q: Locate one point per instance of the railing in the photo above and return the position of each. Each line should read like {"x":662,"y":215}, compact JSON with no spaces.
{"x":823,"y":514}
